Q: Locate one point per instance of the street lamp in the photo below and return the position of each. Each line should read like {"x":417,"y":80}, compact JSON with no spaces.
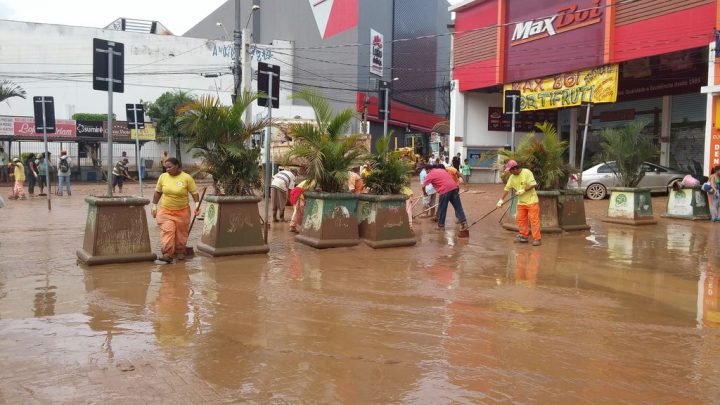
{"x":226,"y":36}
{"x":387,"y":104}
{"x":242,"y":66}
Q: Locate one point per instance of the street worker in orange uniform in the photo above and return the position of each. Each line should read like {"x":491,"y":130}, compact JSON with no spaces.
{"x":174,"y":213}
{"x":523,"y":183}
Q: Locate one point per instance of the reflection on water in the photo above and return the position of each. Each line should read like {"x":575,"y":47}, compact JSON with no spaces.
{"x":175,"y":322}
{"x":620,"y":244}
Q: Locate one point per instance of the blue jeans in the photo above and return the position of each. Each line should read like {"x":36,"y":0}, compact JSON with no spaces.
{"x":64,"y":180}
{"x":452,"y":197}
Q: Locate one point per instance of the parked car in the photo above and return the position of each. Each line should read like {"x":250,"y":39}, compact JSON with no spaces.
{"x":597,"y":179}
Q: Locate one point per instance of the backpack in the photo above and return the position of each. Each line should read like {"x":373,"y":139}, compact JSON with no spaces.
{"x":64,"y":166}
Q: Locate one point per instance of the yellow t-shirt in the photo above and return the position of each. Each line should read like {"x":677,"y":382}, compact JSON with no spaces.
{"x":521,"y":182}
{"x":406,"y":191}
{"x":175,"y":190}
{"x":19,"y":172}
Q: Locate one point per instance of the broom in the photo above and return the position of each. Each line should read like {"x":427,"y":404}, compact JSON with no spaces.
{"x":189,"y":251}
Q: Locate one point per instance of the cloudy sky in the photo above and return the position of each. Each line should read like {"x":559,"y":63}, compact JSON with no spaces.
{"x":177,"y":15}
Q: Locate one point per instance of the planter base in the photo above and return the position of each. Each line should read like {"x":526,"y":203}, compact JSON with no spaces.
{"x":549,"y":221}
{"x":326,"y":243}
{"x":329,"y":220}
{"x":625,"y":221}
{"x":116,"y":231}
{"x":687,"y":203}
{"x":232,"y":227}
{"x":230,"y":251}
{"x":383,"y":221}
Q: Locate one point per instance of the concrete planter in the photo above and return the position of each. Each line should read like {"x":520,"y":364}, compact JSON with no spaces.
{"x":232,"y":226}
{"x":687,"y":203}
{"x":549,"y":220}
{"x":383,"y":221}
{"x":630,"y":206}
{"x":330,"y":220}
{"x":116,"y":231}
{"x":571,"y":211}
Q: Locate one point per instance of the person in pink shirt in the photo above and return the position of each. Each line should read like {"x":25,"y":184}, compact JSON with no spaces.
{"x":449,"y":193}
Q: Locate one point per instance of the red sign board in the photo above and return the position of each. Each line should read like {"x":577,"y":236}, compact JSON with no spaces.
{"x":25,"y":127}
{"x":553,"y":36}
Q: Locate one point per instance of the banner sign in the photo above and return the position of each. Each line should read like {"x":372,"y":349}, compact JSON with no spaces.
{"x":146,"y":134}
{"x":6,"y":126}
{"x":597,"y":85}
{"x":25,"y":128}
{"x":119,"y":129}
{"x":376,"y":53}
{"x":89,"y":129}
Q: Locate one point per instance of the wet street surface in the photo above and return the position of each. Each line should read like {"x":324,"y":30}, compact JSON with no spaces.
{"x":613,"y":315}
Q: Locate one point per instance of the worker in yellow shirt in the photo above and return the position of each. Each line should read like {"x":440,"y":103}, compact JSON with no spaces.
{"x":173,"y":217}
{"x":523,"y":183}
{"x":19,"y":175}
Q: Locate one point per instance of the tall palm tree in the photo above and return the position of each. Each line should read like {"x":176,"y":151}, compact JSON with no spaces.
{"x":9,"y":89}
{"x":220,"y":137}
{"x":323,"y":146}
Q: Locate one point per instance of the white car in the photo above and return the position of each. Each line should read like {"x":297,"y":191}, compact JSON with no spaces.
{"x":597,"y":179}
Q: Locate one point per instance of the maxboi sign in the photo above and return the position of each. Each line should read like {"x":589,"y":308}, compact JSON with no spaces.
{"x":568,"y":18}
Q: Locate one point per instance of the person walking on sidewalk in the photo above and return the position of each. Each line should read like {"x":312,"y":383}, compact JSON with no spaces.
{"x":43,"y":168}
{"x":19,"y":175}
{"x":31,"y":173}
{"x":64,"y":170}
{"x":449,"y":193}
{"x":522,"y":182}
{"x":4,"y":164}
{"x":465,"y":169}
{"x":173,"y":217}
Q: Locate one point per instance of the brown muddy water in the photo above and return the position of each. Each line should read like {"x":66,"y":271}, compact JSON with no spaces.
{"x":613,"y":315}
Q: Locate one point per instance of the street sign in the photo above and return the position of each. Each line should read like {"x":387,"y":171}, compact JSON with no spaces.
{"x":509,"y":96}
{"x":264,"y":72}
{"x":383,"y":97}
{"x":101,"y":65}
{"x":133,"y":112}
{"x":44,"y":122}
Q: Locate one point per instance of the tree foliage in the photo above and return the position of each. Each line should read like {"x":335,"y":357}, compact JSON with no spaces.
{"x":626,"y":149}
{"x":164,"y":111}
{"x":544,"y":157}
{"x":9,"y":90}
{"x":219,"y":136}
{"x":390,"y":171}
{"x":328,"y":154}
{"x":90,"y":117}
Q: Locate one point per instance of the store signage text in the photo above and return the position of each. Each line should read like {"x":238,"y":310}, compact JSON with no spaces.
{"x":25,"y":127}
{"x":598,"y":85}
{"x":376,"y":53}
{"x":567,"y":18}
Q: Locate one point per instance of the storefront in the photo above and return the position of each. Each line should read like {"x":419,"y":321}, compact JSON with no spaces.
{"x":629,"y":60}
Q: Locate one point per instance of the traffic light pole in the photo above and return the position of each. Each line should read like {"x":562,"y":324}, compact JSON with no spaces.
{"x":387,"y":113}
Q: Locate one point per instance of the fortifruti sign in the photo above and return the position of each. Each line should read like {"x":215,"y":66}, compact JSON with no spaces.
{"x":553,"y":36}
{"x":597,"y":85}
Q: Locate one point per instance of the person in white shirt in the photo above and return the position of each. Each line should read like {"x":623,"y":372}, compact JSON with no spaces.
{"x":282,"y":182}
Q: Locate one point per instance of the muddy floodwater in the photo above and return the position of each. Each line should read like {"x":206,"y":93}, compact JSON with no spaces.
{"x":612,"y":315}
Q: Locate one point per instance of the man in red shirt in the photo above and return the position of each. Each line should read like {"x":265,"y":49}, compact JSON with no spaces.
{"x":449,"y":193}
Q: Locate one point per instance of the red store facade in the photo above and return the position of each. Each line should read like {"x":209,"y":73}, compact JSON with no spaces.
{"x":657,"y":51}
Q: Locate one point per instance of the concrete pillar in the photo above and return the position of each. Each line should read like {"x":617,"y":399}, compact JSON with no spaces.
{"x":665,"y":121}
{"x":458,"y":127}
{"x":573,"y":135}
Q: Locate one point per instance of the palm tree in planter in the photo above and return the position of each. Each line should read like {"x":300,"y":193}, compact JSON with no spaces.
{"x":218,"y":135}
{"x":626,"y":150}
{"x":330,"y":218}
{"x":382,"y":215}
{"x":560,"y":208}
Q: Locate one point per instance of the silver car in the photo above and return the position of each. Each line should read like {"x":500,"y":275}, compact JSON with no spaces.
{"x":597,"y":179}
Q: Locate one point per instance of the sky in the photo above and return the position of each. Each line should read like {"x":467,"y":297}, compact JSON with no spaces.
{"x":176,"y":15}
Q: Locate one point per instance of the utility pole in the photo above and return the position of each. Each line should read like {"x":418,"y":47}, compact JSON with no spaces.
{"x":246,"y":68}
{"x":237,"y":40}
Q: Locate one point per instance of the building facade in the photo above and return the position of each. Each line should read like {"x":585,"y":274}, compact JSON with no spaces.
{"x":627,"y":60}
{"x":344,"y":48}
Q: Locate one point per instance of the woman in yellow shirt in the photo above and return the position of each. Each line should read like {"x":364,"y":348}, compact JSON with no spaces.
{"x":19,"y":174}
{"x":173,"y":217}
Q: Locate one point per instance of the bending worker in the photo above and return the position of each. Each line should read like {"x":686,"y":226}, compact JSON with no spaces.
{"x":523,"y":183}
{"x":173,"y":217}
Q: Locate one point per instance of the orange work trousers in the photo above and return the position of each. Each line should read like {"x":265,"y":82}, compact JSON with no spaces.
{"x":174,"y":226}
{"x":533,"y":212}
